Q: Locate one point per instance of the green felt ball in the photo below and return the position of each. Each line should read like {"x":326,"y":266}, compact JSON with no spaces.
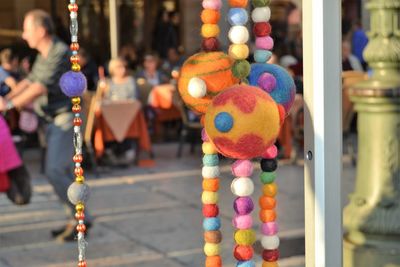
{"x":241,"y":69}
{"x":267,"y":177}
{"x":260,"y":3}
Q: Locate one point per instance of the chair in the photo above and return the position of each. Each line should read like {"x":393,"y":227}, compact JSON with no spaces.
{"x":187,"y":126}
{"x":349,"y":79}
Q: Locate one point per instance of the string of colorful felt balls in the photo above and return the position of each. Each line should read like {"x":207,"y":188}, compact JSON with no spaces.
{"x":240,"y":121}
{"x":73,"y":83}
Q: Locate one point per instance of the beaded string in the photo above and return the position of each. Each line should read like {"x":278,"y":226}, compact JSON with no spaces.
{"x":210,"y":17}
{"x":242,"y":186}
{"x":239,"y":36}
{"x":73,"y":83}
{"x":267,"y":202}
{"x":260,"y":16}
{"x":211,"y":222}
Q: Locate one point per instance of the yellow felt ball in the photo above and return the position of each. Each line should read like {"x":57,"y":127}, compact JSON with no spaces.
{"x":209,"y":197}
{"x":209,"y":148}
{"x":209,"y":30}
{"x":211,"y":249}
{"x":239,"y":51}
{"x":270,"y":190}
{"x":245,"y":237}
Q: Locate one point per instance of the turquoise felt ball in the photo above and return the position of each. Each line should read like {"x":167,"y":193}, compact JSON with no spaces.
{"x":211,"y":224}
{"x":210,"y":160}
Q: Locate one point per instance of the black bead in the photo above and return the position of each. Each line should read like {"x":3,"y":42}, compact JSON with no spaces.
{"x":269,"y":165}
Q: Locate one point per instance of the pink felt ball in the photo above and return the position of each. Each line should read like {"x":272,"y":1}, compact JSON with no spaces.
{"x":242,"y":168}
{"x":242,"y":221}
{"x":269,"y":228}
{"x":267,"y":82}
{"x":265,"y":42}
{"x":204,"y":136}
{"x":212,"y":4}
{"x":271,"y":153}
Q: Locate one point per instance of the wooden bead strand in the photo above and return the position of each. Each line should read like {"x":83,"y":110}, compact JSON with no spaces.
{"x":211,"y":222}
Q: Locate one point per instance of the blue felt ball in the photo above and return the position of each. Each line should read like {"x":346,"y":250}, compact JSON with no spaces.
{"x":223,"y":122}
{"x":285,"y":89}
{"x":262,"y":56}
{"x":210,"y":160}
{"x":246,"y":264}
{"x":73,"y":83}
{"x":211,"y":224}
{"x":237,"y":16}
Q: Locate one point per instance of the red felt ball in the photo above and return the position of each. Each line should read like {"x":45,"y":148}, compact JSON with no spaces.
{"x":210,"y":210}
{"x":210,"y":44}
{"x":262,"y":29}
{"x":243,"y":253}
{"x":270,"y":255}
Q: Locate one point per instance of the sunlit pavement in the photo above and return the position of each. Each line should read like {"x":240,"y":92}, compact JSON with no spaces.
{"x":148,"y":217}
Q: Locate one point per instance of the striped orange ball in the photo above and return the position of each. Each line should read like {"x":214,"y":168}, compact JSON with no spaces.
{"x":238,"y":3}
{"x":210,"y":16}
{"x":215,"y":69}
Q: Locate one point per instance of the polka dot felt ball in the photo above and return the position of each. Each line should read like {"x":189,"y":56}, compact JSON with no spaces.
{"x":255,"y":122}
{"x":285,"y":89}
{"x":217,"y":77}
{"x":73,"y":83}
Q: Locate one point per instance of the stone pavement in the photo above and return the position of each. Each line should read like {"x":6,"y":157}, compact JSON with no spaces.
{"x":147,"y":217}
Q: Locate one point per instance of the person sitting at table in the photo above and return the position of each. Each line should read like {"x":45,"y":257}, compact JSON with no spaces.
{"x":151,"y":74}
{"x":120,"y":86}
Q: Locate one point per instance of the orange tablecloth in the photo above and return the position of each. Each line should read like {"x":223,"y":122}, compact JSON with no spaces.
{"x":162,"y":101}
{"x":137,"y":130}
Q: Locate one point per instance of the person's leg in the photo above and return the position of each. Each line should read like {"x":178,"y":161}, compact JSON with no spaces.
{"x":59,"y":167}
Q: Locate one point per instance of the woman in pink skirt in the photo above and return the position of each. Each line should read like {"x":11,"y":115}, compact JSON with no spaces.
{"x":14,"y":178}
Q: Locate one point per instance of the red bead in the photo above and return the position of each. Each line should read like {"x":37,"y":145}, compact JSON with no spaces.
{"x":78,"y":171}
{"x":74,"y":59}
{"x":80,"y":216}
{"x":77,"y":158}
{"x":74,"y":47}
{"x":262,"y":29}
{"x":210,"y":210}
{"x":82,"y":264}
{"x":210,"y":44}
{"x":81,"y":228}
{"x":243,"y":253}
{"x":76,"y":109}
{"x":73,"y":7}
{"x":77,"y":121}
{"x":270,"y":255}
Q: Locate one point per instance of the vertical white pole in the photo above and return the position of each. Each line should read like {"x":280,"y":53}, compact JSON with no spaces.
{"x":323,"y":132}
{"x":114,"y":36}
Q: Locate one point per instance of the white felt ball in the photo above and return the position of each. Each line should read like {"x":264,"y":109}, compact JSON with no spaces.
{"x":242,"y":186}
{"x":210,"y":172}
{"x":270,"y":242}
{"x":238,"y":35}
{"x":197,"y":87}
{"x":261,"y":14}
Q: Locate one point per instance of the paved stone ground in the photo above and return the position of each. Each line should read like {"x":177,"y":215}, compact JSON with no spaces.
{"x":148,"y":217}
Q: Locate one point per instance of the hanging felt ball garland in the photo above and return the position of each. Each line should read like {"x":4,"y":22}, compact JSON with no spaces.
{"x":239,"y":36}
{"x":73,"y":83}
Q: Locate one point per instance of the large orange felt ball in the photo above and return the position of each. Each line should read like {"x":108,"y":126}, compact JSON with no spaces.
{"x":214,"y":69}
{"x":242,"y":122}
